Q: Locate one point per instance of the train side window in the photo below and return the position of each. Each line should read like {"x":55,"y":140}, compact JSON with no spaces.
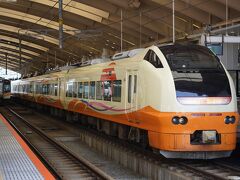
{"x":31,"y":88}
{"x":117,"y":89}
{"x":23,"y":88}
{"x":36,"y":88}
{"x":152,"y":57}
{"x":48,"y":89}
{"x":80,"y":90}
{"x":129,"y":88}
{"x":135,"y":84}
{"x":99,"y":90}
{"x":43,"y":89}
{"x":39,"y":89}
{"x":107,"y":93}
{"x":52,"y":89}
{"x":85,"y":90}
{"x":92,"y":90}
{"x":69,"y":89}
{"x":55,"y":89}
{"x":75,"y":88}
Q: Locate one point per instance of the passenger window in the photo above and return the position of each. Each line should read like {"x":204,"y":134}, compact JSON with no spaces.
{"x":80,"y":90}
{"x":55,"y":89}
{"x":92,"y":90}
{"x":69,"y":90}
{"x":152,"y":57}
{"x":99,"y":90}
{"x":39,"y":88}
{"x":48,"y":89}
{"x":31,"y":88}
{"x":117,"y":89}
{"x":75,"y":89}
{"x":129,"y":88}
{"x":135,"y":84}
{"x":107,"y":93}
{"x":52,"y":90}
{"x":85,"y":90}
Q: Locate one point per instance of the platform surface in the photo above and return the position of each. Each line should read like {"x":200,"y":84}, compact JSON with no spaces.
{"x":17,"y":161}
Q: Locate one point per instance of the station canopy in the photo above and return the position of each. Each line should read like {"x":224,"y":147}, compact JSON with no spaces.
{"x":29,"y":29}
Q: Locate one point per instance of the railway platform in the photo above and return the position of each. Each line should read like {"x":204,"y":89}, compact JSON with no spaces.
{"x":17,"y":160}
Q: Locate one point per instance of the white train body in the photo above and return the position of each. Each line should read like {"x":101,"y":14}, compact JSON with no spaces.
{"x":140,"y":91}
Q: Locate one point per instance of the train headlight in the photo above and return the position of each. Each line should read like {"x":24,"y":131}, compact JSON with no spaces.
{"x":183,"y":120}
{"x":175,"y":120}
{"x":179,"y":120}
{"x":232,"y":119}
{"x":227,"y":120}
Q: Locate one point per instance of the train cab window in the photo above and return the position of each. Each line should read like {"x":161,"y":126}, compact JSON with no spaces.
{"x":75,"y":88}
{"x":99,"y":90}
{"x":107,"y":92}
{"x":6,"y":86}
{"x":55,"y":89}
{"x":116,"y":94}
{"x":80,"y":90}
{"x":69,"y":89}
{"x":152,"y":57}
{"x":85,"y":90}
{"x":92,"y":90}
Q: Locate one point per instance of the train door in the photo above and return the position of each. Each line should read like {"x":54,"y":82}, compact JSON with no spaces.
{"x":132,"y":94}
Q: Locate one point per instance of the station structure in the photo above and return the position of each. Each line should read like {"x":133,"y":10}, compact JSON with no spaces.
{"x":59,"y":47}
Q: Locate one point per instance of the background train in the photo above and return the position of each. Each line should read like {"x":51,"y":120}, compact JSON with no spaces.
{"x":177,"y":99}
{"x":5,"y":89}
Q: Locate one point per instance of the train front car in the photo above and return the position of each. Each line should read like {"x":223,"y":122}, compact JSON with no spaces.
{"x":6,"y":89}
{"x":198,"y":105}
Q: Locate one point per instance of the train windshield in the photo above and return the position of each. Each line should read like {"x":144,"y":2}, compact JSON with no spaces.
{"x":6,"y":86}
{"x":197,"y":72}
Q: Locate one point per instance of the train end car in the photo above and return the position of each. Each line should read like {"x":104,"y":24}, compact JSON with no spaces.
{"x":197,"y":108}
{"x":5,"y":89}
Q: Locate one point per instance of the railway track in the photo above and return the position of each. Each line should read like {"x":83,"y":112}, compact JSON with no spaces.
{"x":63,"y":162}
{"x":213,"y":169}
{"x":191,"y":169}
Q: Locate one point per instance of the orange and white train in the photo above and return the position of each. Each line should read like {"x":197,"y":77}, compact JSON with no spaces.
{"x":178,"y":99}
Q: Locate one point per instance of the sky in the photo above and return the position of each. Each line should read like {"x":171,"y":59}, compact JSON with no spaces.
{"x":10,"y":73}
